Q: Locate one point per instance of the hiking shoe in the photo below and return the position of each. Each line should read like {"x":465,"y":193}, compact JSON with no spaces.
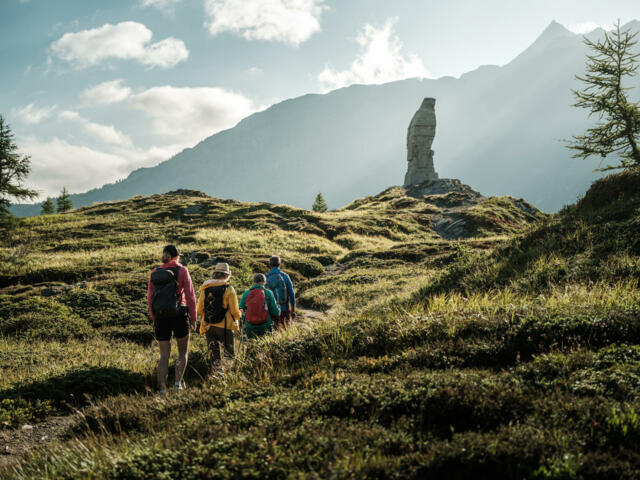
{"x":162,"y":391}
{"x":178,"y":386}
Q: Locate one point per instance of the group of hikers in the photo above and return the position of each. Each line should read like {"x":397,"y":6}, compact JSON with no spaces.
{"x":267,"y":306}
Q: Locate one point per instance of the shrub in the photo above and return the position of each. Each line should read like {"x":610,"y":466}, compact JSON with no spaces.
{"x":18,"y":411}
{"x":307,"y":267}
{"x":141,"y":334}
{"x":42,"y":318}
{"x":103,"y":307}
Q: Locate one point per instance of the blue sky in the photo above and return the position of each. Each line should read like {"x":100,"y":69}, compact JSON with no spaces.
{"x":94,"y":89}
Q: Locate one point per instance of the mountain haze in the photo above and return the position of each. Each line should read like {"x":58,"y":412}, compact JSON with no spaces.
{"x":501,"y":130}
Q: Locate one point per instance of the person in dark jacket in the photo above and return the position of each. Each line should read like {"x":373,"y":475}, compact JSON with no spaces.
{"x":179,"y":325}
{"x":282,"y":287}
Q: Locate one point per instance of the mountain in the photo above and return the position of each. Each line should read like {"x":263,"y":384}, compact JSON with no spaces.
{"x":502,"y":130}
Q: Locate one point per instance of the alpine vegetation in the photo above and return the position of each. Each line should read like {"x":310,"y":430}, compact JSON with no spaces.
{"x":425,"y":329}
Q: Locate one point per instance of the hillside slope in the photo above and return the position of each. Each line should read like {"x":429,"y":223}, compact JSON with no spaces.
{"x":496,"y":356}
{"x":501,"y":129}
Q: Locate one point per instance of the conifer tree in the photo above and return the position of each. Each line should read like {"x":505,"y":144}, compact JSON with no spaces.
{"x":14,"y":169}
{"x":48,"y":207}
{"x":612,"y":63}
{"x":319,"y":205}
{"x":63,"y":201}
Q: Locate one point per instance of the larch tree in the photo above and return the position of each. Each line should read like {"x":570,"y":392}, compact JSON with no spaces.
{"x":613,"y":62}
{"x":14,"y":169}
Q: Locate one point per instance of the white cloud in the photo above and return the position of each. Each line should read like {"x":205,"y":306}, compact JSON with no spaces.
{"x":106,"y":93}
{"x":587,"y":27}
{"x":257,"y":71}
{"x":380,"y":60}
{"x":106,"y":134}
{"x":160,"y":4}
{"x":182,"y":116}
{"x":58,"y":163}
{"x":287,"y":21}
{"x":124,"y":41}
{"x":191,"y":114}
{"x":32,"y":115}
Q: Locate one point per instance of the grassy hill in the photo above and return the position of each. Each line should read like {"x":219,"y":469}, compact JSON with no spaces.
{"x":509,"y":353}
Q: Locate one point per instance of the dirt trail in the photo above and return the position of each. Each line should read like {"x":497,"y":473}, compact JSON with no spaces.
{"x":310,"y":315}
{"x":17,"y":442}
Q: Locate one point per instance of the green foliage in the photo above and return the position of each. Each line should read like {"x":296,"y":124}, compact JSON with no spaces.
{"x":48,"y":207}
{"x":63,"y":201}
{"x":511,"y":356}
{"x":611,"y":64}
{"x":624,"y":425}
{"x":14,"y":169}
{"x":319,"y":204}
{"x":105,"y":307}
{"x":307,"y":267}
{"x":15,"y":412}
{"x":40,"y":318}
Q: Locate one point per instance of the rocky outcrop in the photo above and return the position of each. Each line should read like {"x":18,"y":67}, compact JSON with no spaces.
{"x":420,"y":135}
{"x":444,"y":186}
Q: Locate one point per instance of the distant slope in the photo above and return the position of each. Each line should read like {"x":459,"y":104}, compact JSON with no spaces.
{"x":500,"y":130}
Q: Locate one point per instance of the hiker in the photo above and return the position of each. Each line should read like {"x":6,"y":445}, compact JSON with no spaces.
{"x":172,"y":306}
{"x":260,"y":308}
{"x":280,"y":284}
{"x":218,"y":309}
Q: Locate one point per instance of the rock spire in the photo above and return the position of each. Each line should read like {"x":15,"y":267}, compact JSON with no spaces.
{"x":420,"y":135}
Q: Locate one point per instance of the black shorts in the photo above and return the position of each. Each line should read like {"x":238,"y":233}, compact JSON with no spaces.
{"x":165,"y":327}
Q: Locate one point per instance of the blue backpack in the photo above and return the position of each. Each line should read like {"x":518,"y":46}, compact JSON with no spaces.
{"x":276,"y":283}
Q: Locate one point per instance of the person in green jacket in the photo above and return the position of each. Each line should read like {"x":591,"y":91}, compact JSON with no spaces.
{"x":259,"y":308}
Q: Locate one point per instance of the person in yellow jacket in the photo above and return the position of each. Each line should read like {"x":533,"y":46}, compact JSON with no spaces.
{"x":219,"y":314}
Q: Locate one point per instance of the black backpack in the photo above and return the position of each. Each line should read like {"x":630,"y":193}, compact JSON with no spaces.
{"x":214,"y":312}
{"x":165,"y":303}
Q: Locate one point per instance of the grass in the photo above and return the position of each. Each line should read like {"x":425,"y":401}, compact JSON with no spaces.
{"x":510,"y":354}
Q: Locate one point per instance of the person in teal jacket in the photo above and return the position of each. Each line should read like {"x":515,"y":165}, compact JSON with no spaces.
{"x":252,"y":331}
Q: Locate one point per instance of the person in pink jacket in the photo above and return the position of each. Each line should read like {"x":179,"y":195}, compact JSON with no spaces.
{"x":172,"y":306}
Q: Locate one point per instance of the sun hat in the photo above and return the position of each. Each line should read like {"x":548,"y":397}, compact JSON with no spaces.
{"x":222,"y":268}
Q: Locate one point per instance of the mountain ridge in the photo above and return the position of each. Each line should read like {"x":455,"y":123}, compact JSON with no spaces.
{"x":493,"y":133}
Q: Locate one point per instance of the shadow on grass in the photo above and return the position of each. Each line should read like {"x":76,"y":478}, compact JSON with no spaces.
{"x":197,"y":368}
{"x":77,"y":386}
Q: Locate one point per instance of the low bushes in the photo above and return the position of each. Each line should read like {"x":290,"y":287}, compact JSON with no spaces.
{"x":103,"y":307}
{"x":41,"y":318}
{"x":307,"y":267}
{"x":18,"y":411}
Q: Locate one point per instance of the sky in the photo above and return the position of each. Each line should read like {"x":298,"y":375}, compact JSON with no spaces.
{"x":94,"y":89}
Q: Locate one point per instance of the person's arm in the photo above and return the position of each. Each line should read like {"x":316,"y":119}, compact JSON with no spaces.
{"x":292,"y":294}
{"x":190,"y":295}
{"x":243,"y":303}
{"x":274,"y":309}
{"x":149,"y":295}
{"x":243,"y":300}
{"x":232,"y":303}
{"x":200,"y":306}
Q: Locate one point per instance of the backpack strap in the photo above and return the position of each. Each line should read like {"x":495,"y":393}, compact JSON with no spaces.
{"x":176,"y":274}
{"x":175,"y":271}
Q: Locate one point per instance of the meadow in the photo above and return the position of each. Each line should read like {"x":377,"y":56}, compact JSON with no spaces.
{"x":513,"y":353}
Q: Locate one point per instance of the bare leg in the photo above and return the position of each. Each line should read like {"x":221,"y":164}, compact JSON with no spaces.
{"x":183,"y":352}
{"x":163,"y":364}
